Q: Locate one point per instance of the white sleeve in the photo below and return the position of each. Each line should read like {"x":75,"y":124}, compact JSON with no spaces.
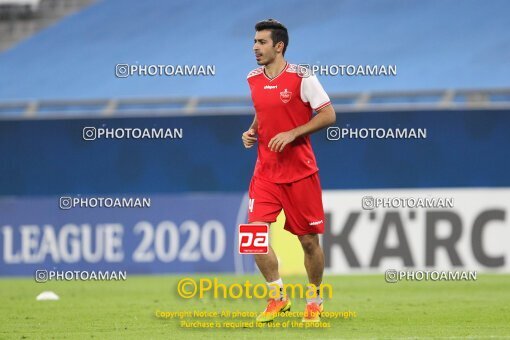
{"x":313,"y":93}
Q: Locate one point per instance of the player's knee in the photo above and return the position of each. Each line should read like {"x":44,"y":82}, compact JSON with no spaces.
{"x":308,"y":247}
{"x":309,"y":243}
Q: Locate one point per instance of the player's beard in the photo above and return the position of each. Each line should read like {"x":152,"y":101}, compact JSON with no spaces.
{"x":265,"y":62}
{"x":261,"y":61}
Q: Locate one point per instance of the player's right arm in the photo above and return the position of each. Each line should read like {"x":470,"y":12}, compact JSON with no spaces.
{"x":249,"y":137}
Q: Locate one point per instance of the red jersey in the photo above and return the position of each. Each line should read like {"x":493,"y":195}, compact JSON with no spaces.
{"x":282,"y":104}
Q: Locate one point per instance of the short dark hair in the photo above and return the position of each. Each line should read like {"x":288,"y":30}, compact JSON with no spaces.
{"x":278,"y":31}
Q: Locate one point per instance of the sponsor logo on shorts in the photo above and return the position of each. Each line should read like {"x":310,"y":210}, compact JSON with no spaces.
{"x":316,"y":222}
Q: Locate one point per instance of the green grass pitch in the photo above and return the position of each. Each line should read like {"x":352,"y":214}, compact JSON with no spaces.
{"x":126,"y":309}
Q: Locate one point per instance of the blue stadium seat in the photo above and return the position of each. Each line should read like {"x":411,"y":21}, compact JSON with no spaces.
{"x":435,"y":44}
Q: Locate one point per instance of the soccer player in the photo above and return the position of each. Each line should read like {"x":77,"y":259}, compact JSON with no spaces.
{"x":286,"y":174}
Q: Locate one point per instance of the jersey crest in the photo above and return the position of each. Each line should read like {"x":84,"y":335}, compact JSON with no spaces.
{"x":285,"y":96}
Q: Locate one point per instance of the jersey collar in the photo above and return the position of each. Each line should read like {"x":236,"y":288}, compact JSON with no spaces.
{"x":279,"y":74}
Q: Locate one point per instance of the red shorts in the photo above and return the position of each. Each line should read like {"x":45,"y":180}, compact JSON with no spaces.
{"x":301,"y":201}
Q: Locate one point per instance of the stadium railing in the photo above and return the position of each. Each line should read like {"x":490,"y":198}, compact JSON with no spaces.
{"x":365,"y":101}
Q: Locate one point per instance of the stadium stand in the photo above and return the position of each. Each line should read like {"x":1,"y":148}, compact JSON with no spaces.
{"x":21,"y":18}
{"x":76,"y":58}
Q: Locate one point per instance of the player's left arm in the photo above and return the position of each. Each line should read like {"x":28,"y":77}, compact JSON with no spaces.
{"x":313,"y":93}
{"x":324,"y":117}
